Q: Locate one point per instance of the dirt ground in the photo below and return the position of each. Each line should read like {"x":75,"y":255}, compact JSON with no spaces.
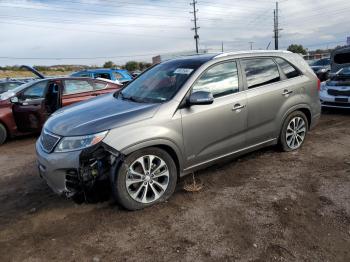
{"x":265,"y":206}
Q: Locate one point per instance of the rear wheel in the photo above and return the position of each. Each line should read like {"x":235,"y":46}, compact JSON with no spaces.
{"x":3,"y":134}
{"x":146,"y":177}
{"x":294,"y":131}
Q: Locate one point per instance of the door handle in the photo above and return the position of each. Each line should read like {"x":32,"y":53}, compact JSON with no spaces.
{"x":238,"y":107}
{"x":286,"y":92}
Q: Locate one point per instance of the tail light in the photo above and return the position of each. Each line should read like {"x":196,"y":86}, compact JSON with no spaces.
{"x":318,"y":84}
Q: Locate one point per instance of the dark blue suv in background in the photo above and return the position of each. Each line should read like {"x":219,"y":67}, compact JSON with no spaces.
{"x":120,"y":75}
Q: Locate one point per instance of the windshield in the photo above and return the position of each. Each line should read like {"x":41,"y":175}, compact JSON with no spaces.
{"x":160,"y":83}
{"x":8,"y":86}
{"x":344,"y":71}
{"x":21,"y":87}
{"x":322,"y":62}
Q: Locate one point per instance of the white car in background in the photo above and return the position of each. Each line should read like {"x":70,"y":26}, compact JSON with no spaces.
{"x":335,"y":92}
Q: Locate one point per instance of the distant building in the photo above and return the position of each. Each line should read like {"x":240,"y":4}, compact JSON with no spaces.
{"x":156,"y":59}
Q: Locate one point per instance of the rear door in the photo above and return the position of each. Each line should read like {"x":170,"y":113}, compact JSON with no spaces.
{"x":76,"y":90}
{"x":269,"y":95}
{"x":30,"y":111}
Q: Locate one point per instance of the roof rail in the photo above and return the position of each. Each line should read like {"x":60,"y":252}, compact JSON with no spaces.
{"x":251,"y":52}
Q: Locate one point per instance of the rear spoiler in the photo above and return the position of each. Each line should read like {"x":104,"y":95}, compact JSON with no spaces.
{"x":33,"y":70}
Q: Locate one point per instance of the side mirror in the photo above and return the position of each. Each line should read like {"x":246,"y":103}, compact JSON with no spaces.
{"x":14,"y":100}
{"x":200,"y":98}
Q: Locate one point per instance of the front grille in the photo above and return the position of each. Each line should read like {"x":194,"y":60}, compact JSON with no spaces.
{"x":334,"y":92}
{"x":344,"y":105}
{"x":48,"y":141}
{"x":72,"y":180}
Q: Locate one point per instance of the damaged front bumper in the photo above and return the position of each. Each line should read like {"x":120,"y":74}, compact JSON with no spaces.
{"x":75,"y":172}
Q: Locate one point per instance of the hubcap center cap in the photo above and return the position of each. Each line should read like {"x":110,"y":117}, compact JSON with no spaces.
{"x":147,"y":178}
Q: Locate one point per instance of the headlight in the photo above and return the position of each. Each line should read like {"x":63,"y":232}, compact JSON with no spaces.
{"x":73,"y":143}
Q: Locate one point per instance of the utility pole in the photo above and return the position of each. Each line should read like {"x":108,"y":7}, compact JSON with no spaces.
{"x":276,"y":28}
{"x":251,"y":45}
{"x":222,"y":46}
{"x":195,"y":19}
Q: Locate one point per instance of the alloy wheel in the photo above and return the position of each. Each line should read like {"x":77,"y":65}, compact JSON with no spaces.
{"x":147,"y":179}
{"x":295,"y":133}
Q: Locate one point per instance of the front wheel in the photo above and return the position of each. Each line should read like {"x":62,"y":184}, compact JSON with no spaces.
{"x":3,"y":134}
{"x":294,"y":131}
{"x":146,"y":177}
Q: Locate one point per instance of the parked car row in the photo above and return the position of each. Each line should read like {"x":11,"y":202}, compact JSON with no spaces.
{"x":179,"y":116}
{"x":25,"y":108}
{"x":335,"y":92}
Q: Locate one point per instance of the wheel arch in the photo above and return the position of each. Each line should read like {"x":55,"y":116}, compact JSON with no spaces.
{"x":168,"y":146}
{"x":307,"y":113}
{"x":303,"y":108}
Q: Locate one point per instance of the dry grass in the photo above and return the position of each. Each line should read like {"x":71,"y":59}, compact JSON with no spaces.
{"x":14,"y":74}
{"x":194,"y":185}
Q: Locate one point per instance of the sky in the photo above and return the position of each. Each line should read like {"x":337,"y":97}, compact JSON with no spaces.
{"x":38,"y":32}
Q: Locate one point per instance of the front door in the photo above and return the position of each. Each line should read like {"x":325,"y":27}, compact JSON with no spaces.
{"x":30,"y":111}
{"x":212,"y":131}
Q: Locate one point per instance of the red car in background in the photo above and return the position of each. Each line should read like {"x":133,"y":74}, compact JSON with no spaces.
{"x":25,"y":109}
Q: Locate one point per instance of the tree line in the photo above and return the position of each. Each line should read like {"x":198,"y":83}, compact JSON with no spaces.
{"x":130,"y":66}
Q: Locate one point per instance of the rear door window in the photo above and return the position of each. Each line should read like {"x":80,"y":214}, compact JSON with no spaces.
{"x":85,"y":75}
{"x":100,"y":85}
{"x":220,"y":80}
{"x":103,"y":75}
{"x":77,"y":86}
{"x":260,"y":71}
{"x":289,"y":70}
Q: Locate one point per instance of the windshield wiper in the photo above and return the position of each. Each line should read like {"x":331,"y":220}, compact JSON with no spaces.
{"x":131,"y":98}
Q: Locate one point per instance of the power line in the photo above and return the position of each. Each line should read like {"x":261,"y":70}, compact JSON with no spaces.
{"x":196,"y":36}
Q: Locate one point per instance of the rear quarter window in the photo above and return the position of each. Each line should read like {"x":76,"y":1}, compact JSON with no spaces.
{"x":289,"y":70}
{"x":118,"y":76}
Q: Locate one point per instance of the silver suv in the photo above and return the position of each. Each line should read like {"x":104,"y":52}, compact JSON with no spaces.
{"x":179,"y":116}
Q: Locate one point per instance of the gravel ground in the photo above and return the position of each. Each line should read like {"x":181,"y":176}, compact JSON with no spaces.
{"x":265,"y":206}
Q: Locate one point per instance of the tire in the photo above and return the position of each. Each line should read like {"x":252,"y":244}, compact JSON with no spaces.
{"x":3,"y":134}
{"x":288,"y":133}
{"x":157,"y":180}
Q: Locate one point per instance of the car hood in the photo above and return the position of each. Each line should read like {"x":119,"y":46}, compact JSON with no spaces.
{"x":97,"y":115}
